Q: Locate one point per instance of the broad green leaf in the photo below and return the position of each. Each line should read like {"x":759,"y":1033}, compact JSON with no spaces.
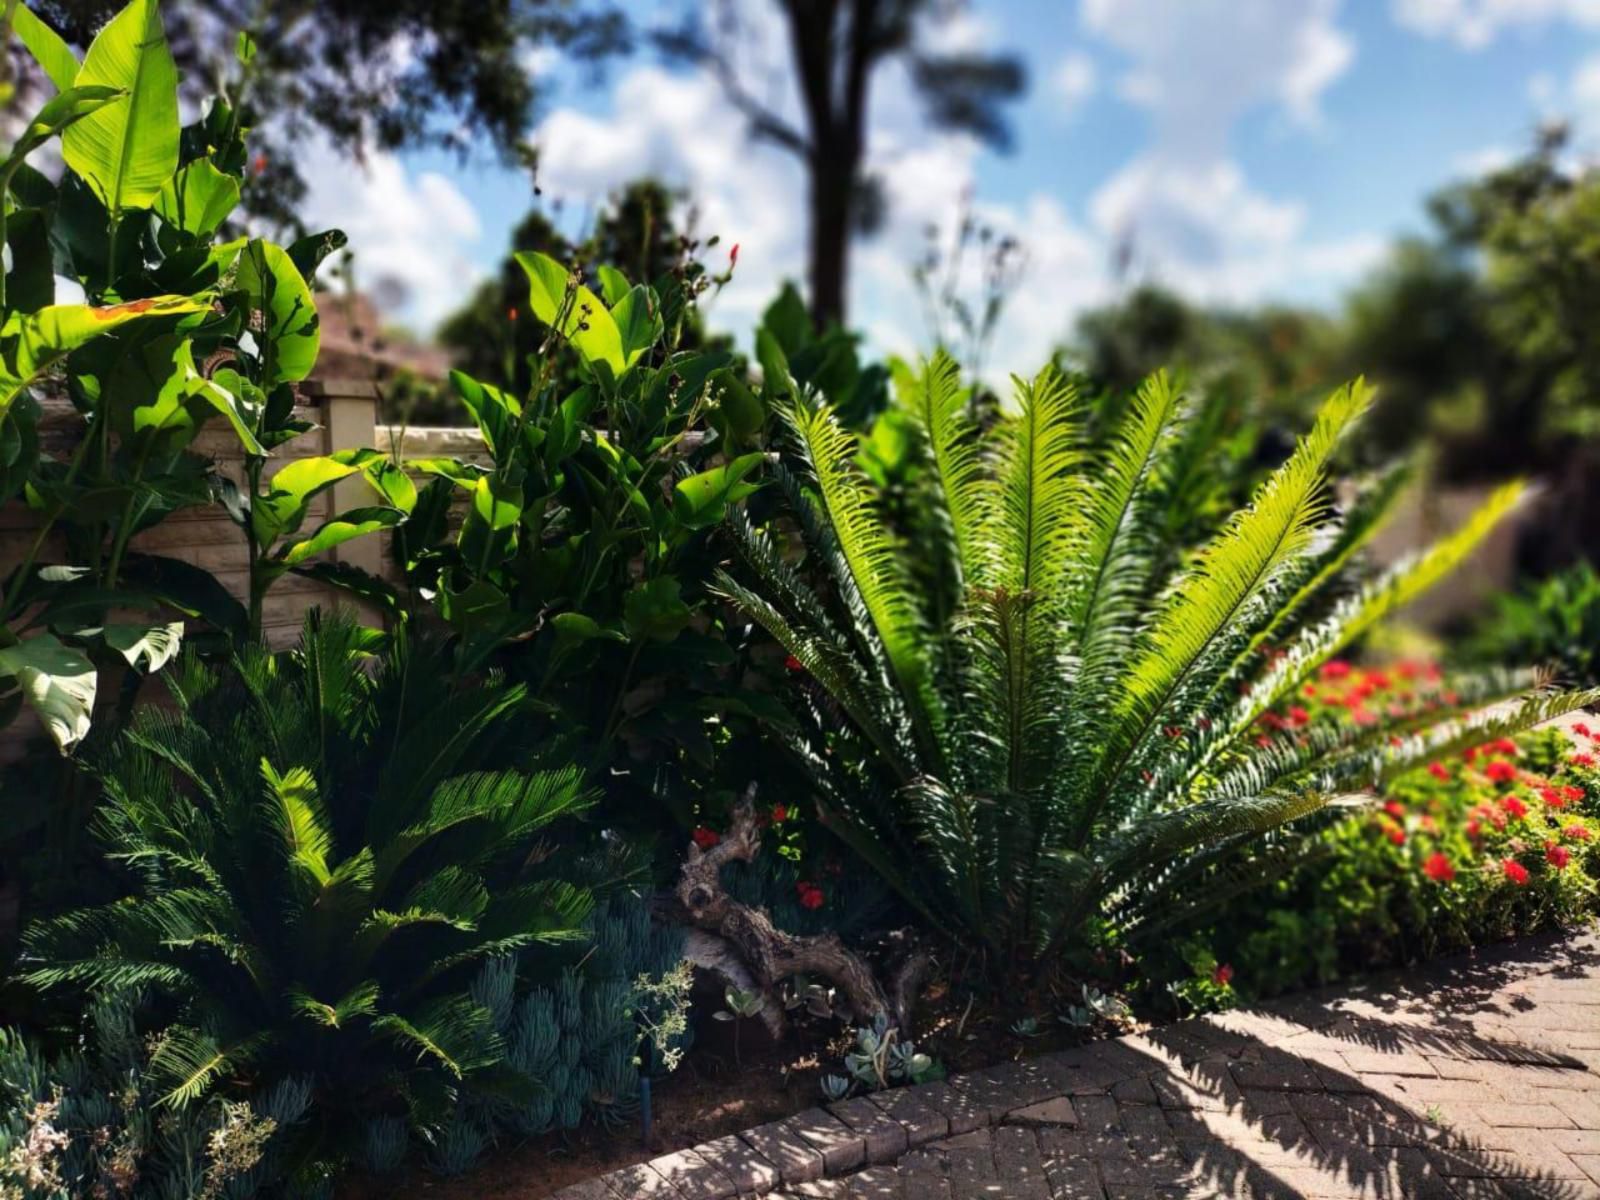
{"x":740,"y":410}
{"x":702,"y":500}
{"x":47,"y":47}
{"x":585,"y":321}
{"x":290,"y":334}
{"x":462,"y":474}
{"x":128,"y":150}
{"x":346,"y":527}
{"x":57,"y":681}
{"x":495,"y":411}
{"x":160,"y":400}
{"x":198,"y":198}
{"x":489,"y":533}
{"x":574,"y":627}
{"x":655,"y":610}
{"x":31,"y":342}
{"x":56,"y":116}
{"x":149,"y":647}
{"x":614,"y":284}
{"x":244,"y":48}
{"x":638,"y":323}
{"x":290,"y":491}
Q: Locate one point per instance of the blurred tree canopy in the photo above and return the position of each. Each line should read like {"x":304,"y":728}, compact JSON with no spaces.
{"x":367,"y":74}
{"x":835,"y":47}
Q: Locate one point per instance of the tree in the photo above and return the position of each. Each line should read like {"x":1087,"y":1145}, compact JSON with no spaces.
{"x":365,"y":73}
{"x":835,"y":47}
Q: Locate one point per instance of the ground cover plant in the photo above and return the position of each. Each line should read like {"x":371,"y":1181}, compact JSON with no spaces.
{"x":1499,"y":838}
{"x":1076,"y":735}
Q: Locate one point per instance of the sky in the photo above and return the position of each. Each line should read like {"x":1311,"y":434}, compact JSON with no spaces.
{"x":1245,"y":150}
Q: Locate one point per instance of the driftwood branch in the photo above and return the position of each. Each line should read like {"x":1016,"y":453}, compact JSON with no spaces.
{"x":769,"y":952}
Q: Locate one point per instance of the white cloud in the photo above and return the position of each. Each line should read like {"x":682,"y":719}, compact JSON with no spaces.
{"x":1474,"y":24}
{"x":1182,"y":212}
{"x":1482,"y":161}
{"x":1074,"y":80}
{"x":415,"y":232}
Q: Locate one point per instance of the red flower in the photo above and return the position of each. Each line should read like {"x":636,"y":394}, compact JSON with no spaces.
{"x":1298,"y":716}
{"x":1377,"y":679}
{"x":1557,"y":856}
{"x":780,"y":814}
{"x":1583,"y":729}
{"x":1582,"y":760}
{"x":1505,"y":746}
{"x":1578,"y":833}
{"x":1439,"y":771}
{"x":733,"y":256}
{"x":1500,"y":771}
{"x":1394,"y":808}
{"x":1514,"y":807}
{"x":1263,"y":740}
{"x":791,"y":663}
{"x":261,"y":164}
{"x":1362,"y":716}
{"x":705,"y":838}
{"x":1437,"y":868}
{"x":1147,"y":775}
{"x":1395,"y":834}
{"x":1515,"y":871}
{"x":1571,"y":793}
{"x":1223,"y":975}
{"x":1470,"y":754}
{"x":1337,"y":669}
{"x":1474,"y":827}
{"x":810,"y":894}
{"x":511,"y":314}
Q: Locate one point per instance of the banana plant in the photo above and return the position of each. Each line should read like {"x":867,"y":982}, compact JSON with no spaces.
{"x":180,"y":330}
{"x":580,"y":560}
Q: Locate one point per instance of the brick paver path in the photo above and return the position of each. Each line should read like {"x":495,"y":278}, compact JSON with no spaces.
{"x":1472,"y":1077}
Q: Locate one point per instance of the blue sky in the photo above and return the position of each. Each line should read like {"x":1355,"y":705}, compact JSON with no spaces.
{"x":1247,"y":149}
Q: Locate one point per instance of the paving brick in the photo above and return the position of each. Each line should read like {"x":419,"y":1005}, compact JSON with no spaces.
{"x":1097,"y":1114}
{"x":1378,"y":1062}
{"x":909,"y":1106}
{"x":1279,"y":1074}
{"x":1049,"y":1112}
{"x":589,"y":1189}
{"x":1020,"y":1164}
{"x":958,"y":1108}
{"x":796,"y":1160}
{"x":1522,"y":1116}
{"x":693,"y":1175}
{"x":885,"y":1138}
{"x":640,"y":1183}
{"x":840,"y":1146}
{"x":735,"y":1158}
{"x":876,"y":1183}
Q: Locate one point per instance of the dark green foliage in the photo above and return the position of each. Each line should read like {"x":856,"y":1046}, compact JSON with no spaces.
{"x":1552,"y":622}
{"x":322,"y":849}
{"x":1081,"y":725}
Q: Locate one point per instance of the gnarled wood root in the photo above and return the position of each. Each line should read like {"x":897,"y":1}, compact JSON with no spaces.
{"x":769,"y":952}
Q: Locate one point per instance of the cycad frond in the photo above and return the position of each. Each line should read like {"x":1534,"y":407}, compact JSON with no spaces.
{"x":935,"y":398}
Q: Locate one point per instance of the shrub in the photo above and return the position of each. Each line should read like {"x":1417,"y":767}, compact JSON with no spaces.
{"x":1078,"y":731}
{"x":1554,"y":622}
{"x":326,"y":853}
{"x":1502,"y":838}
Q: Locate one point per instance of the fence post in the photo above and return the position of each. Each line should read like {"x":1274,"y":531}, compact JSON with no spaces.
{"x":350,"y":410}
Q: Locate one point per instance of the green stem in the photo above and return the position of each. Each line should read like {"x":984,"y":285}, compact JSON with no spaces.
{"x":125,"y":526}
{"x":258,"y":591}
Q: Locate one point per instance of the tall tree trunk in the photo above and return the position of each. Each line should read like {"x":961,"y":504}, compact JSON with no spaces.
{"x":830,"y":239}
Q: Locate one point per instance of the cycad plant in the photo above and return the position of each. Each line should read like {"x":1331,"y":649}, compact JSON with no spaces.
{"x":1081,"y":727}
{"x":325,"y":850}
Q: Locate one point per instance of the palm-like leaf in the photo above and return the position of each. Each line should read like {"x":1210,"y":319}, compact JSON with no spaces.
{"x":1082,"y":732}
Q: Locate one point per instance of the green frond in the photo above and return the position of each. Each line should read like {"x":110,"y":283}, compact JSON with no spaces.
{"x":868,"y":552}
{"x":453,"y":1033}
{"x":935,"y":398}
{"x":359,"y":1001}
{"x":1036,"y":513}
{"x":189,"y":1061}
{"x":299,"y":815}
{"x":1229,"y":574}
{"x":1358,"y":613}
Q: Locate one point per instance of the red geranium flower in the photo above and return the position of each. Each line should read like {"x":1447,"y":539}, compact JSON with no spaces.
{"x":1395,"y":834}
{"x":1505,"y":746}
{"x":1514,"y":807}
{"x":1514,"y":871}
{"x":1337,"y":669}
{"x":1557,"y":856}
{"x":792,"y":663}
{"x":1578,"y":833}
{"x":1298,"y":716}
{"x":810,"y":894}
{"x":1582,"y":760}
{"x":705,"y":838}
{"x":1439,"y":771}
{"x":1223,"y":975}
{"x":1582,"y":728}
{"x":1572,"y":793}
{"x":1500,"y":771}
{"x":1437,"y":868}
{"x":780,"y":814}
{"x":1394,"y":808}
